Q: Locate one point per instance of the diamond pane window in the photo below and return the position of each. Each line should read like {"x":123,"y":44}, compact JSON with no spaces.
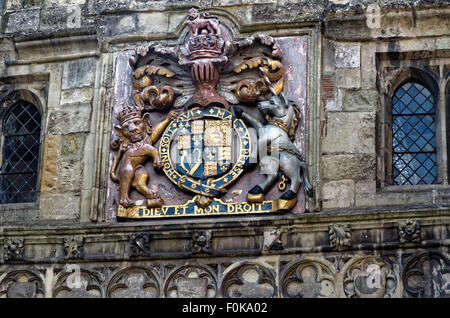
{"x":20,"y":154}
{"x":413,"y":136}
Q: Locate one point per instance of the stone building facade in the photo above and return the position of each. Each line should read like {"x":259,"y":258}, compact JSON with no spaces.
{"x":360,"y":234}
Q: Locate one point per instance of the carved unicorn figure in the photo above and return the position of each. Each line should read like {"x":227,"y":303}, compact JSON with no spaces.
{"x":282,"y":116}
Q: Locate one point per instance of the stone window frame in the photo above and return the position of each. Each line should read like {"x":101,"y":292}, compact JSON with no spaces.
{"x":395,"y":70}
{"x":14,"y":212}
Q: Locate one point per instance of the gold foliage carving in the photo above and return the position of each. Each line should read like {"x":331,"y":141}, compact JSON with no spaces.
{"x":158,"y":98}
{"x":271,"y":73}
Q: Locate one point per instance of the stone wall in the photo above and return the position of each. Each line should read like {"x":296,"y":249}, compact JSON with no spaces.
{"x":63,"y":55}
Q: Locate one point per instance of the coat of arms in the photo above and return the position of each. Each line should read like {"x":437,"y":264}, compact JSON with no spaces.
{"x":210,"y":87}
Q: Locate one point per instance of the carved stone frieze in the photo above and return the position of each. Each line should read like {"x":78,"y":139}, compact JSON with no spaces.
{"x":309,"y":278}
{"x":191,"y":282}
{"x":73,"y":247}
{"x":140,"y":244}
{"x":409,"y":231}
{"x":133,"y":282}
{"x":249,"y":280}
{"x":369,"y":277}
{"x":201,"y":242}
{"x":77,"y":282}
{"x":340,"y":235}
{"x":427,"y":275}
{"x":22,"y":284}
{"x":13,"y":249}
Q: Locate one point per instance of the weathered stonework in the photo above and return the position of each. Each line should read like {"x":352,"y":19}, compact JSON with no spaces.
{"x":73,"y":247}
{"x":139,"y":244}
{"x":13,"y":249}
{"x":359,"y":236}
{"x":409,"y":231}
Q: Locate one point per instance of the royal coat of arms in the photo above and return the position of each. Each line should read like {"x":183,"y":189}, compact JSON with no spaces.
{"x":189,"y":121}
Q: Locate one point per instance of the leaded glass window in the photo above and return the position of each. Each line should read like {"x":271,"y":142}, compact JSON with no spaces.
{"x":20,"y":154}
{"x":413,"y":136}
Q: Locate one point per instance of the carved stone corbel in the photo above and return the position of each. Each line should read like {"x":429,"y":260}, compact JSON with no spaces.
{"x":272,"y":240}
{"x":140,"y":244}
{"x":73,"y":247}
{"x":201,"y":242}
{"x":409,"y":231}
{"x":340,"y":235}
{"x":13,"y":249}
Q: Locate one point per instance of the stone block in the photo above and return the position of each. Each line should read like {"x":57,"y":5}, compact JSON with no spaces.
{"x":154,"y":22}
{"x":368,"y":66}
{"x":54,"y":3}
{"x":328,"y":57}
{"x":18,"y":70}
{"x":176,"y":19}
{"x":356,"y":167}
{"x":338,"y":194}
{"x":335,"y":104}
{"x":273,"y":12}
{"x":350,"y":132}
{"x":332,"y":106}
{"x":347,"y":55}
{"x":365,"y":193}
{"x":24,"y":20}
{"x":119,"y":25}
{"x":348,"y":78}
{"x":110,"y":5}
{"x":70,"y":173}
{"x":226,"y":3}
{"x":72,"y":119}
{"x":59,"y":206}
{"x":78,"y":73}
{"x":443,"y":43}
{"x":50,"y":163}
{"x":53,"y":18}
{"x":75,"y":96}
{"x":72,"y":146}
{"x":360,"y":100}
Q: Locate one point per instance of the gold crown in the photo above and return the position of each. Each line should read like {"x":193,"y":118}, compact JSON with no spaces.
{"x":127,"y":113}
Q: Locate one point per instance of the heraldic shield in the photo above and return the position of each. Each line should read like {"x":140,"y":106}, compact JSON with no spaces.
{"x":204,"y":148}
{"x":181,"y":141}
{"x":209,"y":147}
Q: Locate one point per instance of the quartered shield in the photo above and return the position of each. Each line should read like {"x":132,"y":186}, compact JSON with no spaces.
{"x":206,"y":150}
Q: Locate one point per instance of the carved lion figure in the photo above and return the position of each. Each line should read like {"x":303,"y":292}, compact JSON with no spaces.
{"x":135,"y":147}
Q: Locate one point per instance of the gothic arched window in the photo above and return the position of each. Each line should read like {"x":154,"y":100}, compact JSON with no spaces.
{"x":413,"y":135}
{"x":20,"y":153}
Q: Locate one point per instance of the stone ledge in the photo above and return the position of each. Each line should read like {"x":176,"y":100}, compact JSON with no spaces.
{"x":246,"y":236}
